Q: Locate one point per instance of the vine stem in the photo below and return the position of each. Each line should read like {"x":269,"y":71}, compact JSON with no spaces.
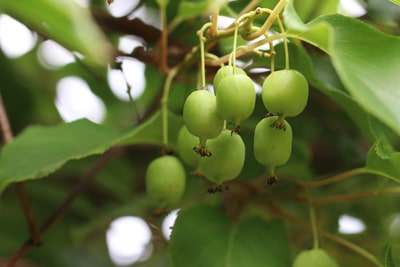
{"x":357,"y":249}
{"x":358,"y":195}
{"x":20,"y":186}
{"x":336,"y":178}
{"x":164,"y":40}
{"x":247,"y":49}
{"x":270,"y":20}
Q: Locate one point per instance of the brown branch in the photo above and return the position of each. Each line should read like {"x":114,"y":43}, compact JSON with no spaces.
{"x":60,"y":212}
{"x":358,"y":195}
{"x":7,"y":134}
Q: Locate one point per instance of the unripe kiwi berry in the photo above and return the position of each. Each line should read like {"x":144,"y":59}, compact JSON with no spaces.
{"x":285,"y":92}
{"x":314,"y":258}
{"x":272,"y":146}
{"x":201,"y":118}
{"x":185,"y":143}
{"x":227,"y":159}
{"x":165,"y":180}
{"x":236,"y":98}
{"x":223,"y":72}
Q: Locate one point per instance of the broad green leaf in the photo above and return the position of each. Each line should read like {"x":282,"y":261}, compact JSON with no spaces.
{"x":365,"y":59}
{"x":63,"y":21}
{"x":189,"y":9}
{"x":388,"y":257}
{"x":311,"y":9}
{"x":205,"y":236}
{"x":397,"y":2}
{"x":150,"y":132}
{"x":39,"y":151}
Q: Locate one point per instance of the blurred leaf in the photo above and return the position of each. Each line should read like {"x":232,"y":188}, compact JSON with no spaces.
{"x":383,"y":161}
{"x":205,"y":236}
{"x":150,"y":132}
{"x":311,"y":9}
{"x":388,"y":257}
{"x":63,"y":21}
{"x":39,"y":150}
{"x":189,"y":9}
{"x":361,"y":56}
{"x":397,"y":2}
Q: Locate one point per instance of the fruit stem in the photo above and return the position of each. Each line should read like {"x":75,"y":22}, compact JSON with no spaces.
{"x":202,"y":39}
{"x":164,"y":105}
{"x":246,"y":49}
{"x":313,"y":220}
{"x":285,"y":43}
{"x":235,"y":36}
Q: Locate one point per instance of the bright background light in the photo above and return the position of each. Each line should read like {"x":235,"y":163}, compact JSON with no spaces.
{"x":74,"y":100}
{"x":168,"y":223}
{"x":53,"y":56}
{"x":15,"y":38}
{"x":128,"y":240}
{"x":351,"y":8}
{"x":350,"y":225}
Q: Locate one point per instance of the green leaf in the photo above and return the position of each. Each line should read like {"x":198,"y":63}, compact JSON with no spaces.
{"x":397,"y":2}
{"x":388,"y":257}
{"x":65,"y":22}
{"x":361,"y":56}
{"x":39,"y":151}
{"x":205,"y":236}
{"x":150,"y":132}
{"x":189,"y":9}
{"x":383,"y":161}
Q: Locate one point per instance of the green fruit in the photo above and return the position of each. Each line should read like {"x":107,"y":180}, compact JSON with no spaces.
{"x":165,"y":180}
{"x":272,"y":146}
{"x":314,"y":258}
{"x":285,"y":92}
{"x":200,"y":115}
{"x":227,"y":160}
{"x":224,"y":72}
{"x":236,"y":96}
{"x":184,"y":146}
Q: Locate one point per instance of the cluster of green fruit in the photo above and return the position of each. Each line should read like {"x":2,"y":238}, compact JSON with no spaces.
{"x":219,"y":153}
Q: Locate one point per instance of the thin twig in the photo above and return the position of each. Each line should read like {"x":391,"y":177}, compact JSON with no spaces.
{"x":64,"y":206}
{"x":7,"y":134}
{"x":358,"y":195}
{"x":333,"y":179}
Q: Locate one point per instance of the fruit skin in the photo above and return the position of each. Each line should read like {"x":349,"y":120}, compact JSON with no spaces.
{"x":272,"y":146}
{"x":285,"y":92}
{"x":314,"y":258}
{"x":165,"y":180}
{"x":227,"y":159}
{"x":224,"y":72}
{"x":200,"y":115}
{"x":185,"y":143}
{"x":236,"y":97}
